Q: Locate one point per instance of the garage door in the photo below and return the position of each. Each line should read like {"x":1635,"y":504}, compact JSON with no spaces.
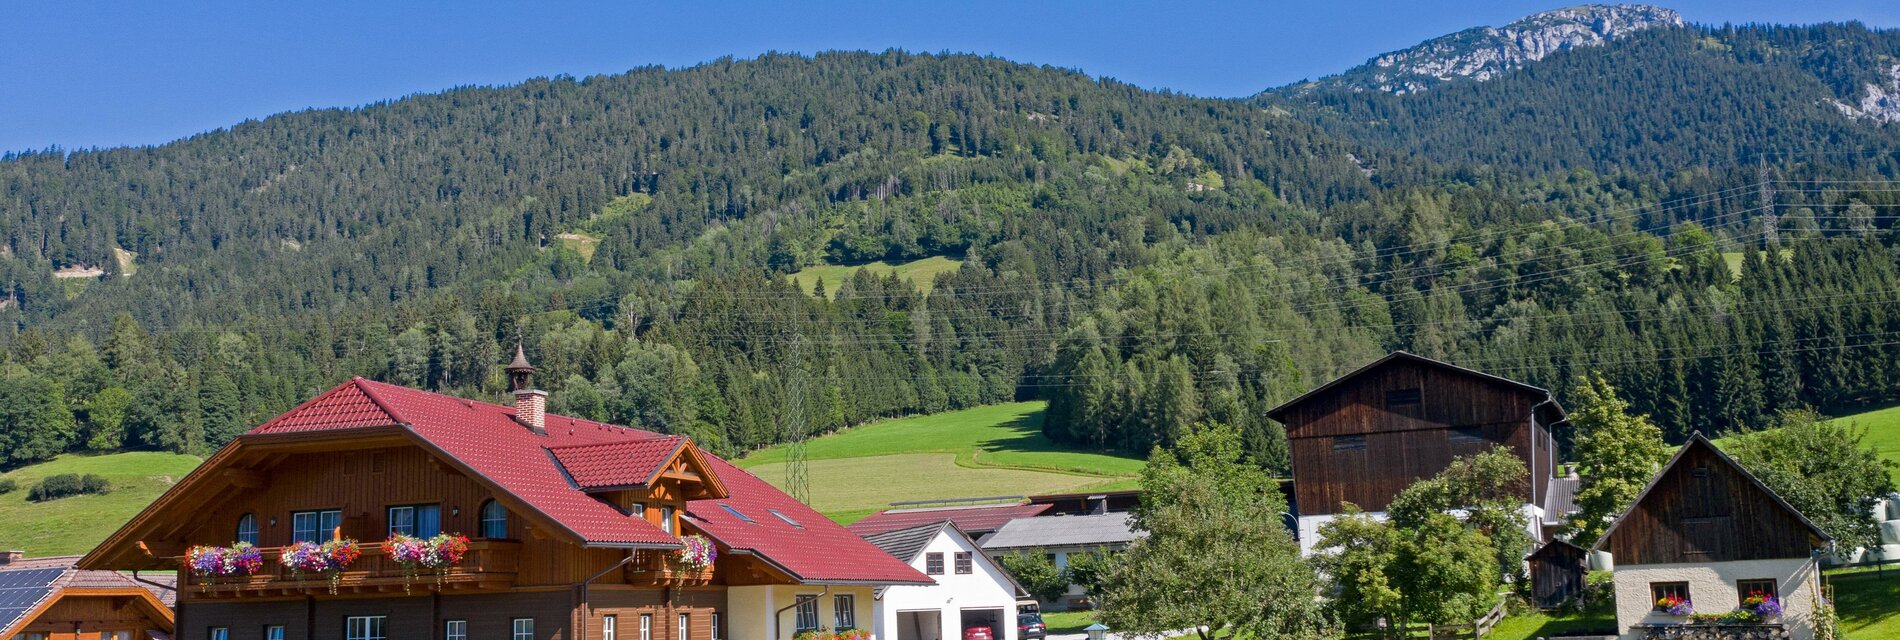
{"x":920,"y":625}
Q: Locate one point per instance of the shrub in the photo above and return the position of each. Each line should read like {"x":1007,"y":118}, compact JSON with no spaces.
{"x":1037,"y":573}
{"x":9,"y":485}
{"x":67,"y":484}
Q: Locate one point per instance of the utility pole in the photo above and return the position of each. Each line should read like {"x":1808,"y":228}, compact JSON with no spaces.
{"x":797,"y":475}
{"x":1770,"y":222}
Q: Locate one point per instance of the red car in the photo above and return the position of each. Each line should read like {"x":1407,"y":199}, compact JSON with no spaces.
{"x":978,"y":633}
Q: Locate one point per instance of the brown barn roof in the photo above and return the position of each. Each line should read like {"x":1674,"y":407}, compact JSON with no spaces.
{"x":1395,"y":356}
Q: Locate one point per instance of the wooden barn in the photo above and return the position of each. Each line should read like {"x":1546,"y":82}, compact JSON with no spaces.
{"x":1369,"y":434}
{"x":1707,"y":532}
{"x":1557,"y":572}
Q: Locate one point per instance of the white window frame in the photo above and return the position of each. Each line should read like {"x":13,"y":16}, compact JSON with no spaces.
{"x":716,"y":635}
{"x":685,"y":627}
{"x":609,"y":627}
{"x":844,"y":611}
{"x":498,"y":518}
{"x":456,"y":629}
{"x":364,"y":628}
{"x":318,"y":517}
{"x":521,"y":631}
{"x":666,"y":518}
{"x":646,"y":626}
{"x":800,"y":604}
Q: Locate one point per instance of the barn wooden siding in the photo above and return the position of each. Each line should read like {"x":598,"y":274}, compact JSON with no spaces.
{"x":1703,"y":508}
{"x":1557,"y":573}
{"x":1409,"y":444}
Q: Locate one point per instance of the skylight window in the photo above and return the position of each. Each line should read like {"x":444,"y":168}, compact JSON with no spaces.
{"x":787,"y":519}
{"x":735,"y":513}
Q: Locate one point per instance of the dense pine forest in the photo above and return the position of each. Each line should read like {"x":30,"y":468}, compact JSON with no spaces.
{"x":1140,"y":259}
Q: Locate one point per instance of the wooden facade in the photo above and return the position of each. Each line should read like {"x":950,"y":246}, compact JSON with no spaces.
{"x":1557,"y":572}
{"x":531,"y":573}
{"x":1366,"y":436}
{"x":1703,"y":508}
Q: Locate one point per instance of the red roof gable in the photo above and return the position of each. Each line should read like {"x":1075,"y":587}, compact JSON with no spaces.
{"x":815,"y":549}
{"x":486,"y":439}
{"x":976,"y":518}
{"x":633,"y":463}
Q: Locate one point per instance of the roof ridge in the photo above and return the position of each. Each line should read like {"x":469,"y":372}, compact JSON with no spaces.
{"x":613,"y":443}
{"x":378,"y":400}
{"x":1695,"y":438}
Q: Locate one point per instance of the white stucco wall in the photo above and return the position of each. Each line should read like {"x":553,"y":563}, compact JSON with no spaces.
{"x":1308,"y":527}
{"x":985,"y":587}
{"x":753,"y":612}
{"x":1712,"y":590}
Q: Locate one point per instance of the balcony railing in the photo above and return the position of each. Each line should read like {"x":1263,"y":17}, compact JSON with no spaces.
{"x":1713,"y":631}
{"x":657,"y":568}
{"x":489,"y":565}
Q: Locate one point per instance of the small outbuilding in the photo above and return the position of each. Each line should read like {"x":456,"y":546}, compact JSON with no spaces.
{"x":1557,"y":573}
{"x":48,"y":599}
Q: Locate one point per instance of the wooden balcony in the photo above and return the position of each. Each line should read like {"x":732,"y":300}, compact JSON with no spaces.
{"x":653,"y":567}
{"x":489,"y":566}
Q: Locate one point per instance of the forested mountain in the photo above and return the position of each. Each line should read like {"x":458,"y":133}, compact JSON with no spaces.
{"x":1141,"y":259}
{"x":1651,"y":101}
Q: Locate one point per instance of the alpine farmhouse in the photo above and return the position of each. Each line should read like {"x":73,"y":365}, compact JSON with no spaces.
{"x":1704,"y":537}
{"x":576,"y":529}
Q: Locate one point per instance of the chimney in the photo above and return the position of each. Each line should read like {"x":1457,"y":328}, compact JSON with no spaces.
{"x":531,"y":404}
{"x":10,"y":557}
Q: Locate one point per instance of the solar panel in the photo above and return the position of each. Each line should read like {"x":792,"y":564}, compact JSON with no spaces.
{"x":20,"y":590}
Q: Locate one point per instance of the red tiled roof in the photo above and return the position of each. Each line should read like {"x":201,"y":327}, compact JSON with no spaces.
{"x":975,"y":518}
{"x":486,"y":438}
{"x":814,"y":550}
{"x":617,"y":464}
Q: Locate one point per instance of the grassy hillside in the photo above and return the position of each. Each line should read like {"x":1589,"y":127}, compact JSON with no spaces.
{"x":922,"y":273}
{"x":994,"y":450}
{"x":1883,"y":433}
{"x":75,"y":524}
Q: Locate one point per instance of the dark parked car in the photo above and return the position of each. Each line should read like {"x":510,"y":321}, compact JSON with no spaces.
{"x":1029,"y":626}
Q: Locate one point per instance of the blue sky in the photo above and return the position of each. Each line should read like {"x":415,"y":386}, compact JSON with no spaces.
{"x":83,"y":73}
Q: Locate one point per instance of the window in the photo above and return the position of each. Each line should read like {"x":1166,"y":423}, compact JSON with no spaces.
{"x":1402,"y":399}
{"x":735,"y":513}
{"x":1764,"y":587}
{"x":362,"y":628}
{"x":247,"y":529}
{"x":524,"y":629}
{"x":127,"y":635}
{"x":640,"y":508}
{"x":844,"y":614}
{"x":963,"y":563}
{"x":807,"y":612}
{"x":717,"y":634}
{"x":275,"y":632}
{"x":683,"y":628}
{"x":666,"y":518}
{"x":421,"y":520}
{"x":1466,"y":437}
{"x":494,"y":520}
{"x":30,"y":636}
{"x":786,"y":518}
{"x":609,"y":627}
{"x":217,"y":633}
{"x":1661,"y":591}
{"x":456,"y":630}
{"x":1349,"y":443}
{"x":646,"y":626}
{"x":314,"y":526}
{"x":933,"y":564}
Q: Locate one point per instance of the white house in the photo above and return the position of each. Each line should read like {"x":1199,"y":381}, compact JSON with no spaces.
{"x":970,"y":590}
{"x":1708,"y":533}
{"x":1063,"y":536}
